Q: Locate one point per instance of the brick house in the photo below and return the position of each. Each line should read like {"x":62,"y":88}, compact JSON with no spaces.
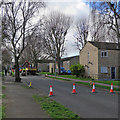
{"x":101,"y":60}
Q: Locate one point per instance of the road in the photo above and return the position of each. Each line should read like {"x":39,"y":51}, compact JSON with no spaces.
{"x":101,"y":104}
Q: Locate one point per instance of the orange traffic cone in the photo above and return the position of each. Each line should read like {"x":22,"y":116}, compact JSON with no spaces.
{"x":111,"y":90}
{"x":93,"y":90}
{"x":51,"y":92}
{"x":74,"y":90}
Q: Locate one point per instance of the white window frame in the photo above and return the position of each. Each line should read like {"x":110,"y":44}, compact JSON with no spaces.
{"x":103,"y":69}
{"x":103,"y":53}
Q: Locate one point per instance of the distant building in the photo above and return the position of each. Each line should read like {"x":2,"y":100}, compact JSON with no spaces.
{"x":101,"y":60}
{"x":43,"y":65}
{"x":68,"y":61}
{"x":65,"y":62}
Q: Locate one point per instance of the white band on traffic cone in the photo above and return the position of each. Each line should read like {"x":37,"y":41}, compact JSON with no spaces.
{"x":50,"y":89}
{"x":93,"y":86}
{"x":112,"y":87}
{"x":73,"y":86}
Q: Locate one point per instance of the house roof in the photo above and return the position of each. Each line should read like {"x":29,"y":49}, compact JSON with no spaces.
{"x":46,"y":61}
{"x":68,"y":58}
{"x":105,"y":45}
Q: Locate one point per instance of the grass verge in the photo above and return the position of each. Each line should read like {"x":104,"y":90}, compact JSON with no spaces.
{"x":3,"y":87}
{"x":2,"y":74}
{"x":67,"y":76}
{"x":59,"y":78}
{"x":2,"y":111}
{"x":98,"y":86}
{"x":48,"y":73}
{"x":54,"y":109}
{"x":117,"y":83}
{"x":74,"y":77}
{"x":2,"y":96}
{"x":88,"y":84}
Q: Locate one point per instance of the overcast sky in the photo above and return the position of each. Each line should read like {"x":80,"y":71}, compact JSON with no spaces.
{"x":76,"y":9}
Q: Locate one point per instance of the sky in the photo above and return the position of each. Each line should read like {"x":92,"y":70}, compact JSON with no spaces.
{"x":76,"y":9}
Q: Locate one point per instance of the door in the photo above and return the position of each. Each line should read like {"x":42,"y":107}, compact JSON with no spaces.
{"x":112,"y":72}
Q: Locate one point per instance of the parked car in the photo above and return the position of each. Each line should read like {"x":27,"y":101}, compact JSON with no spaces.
{"x":68,"y":72}
{"x":63,"y":71}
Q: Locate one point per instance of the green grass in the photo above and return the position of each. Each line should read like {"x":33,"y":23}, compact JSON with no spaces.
{"x":46,"y":73}
{"x":98,"y":86}
{"x":53,"y":108}
{"x":2,"y":111}
{"x":2,"y":96}
{"x":74,"y":77}
{"x":2,"y":74}
{"x":67,"y":76}
{"x":3,"y":87}
{"x":109,"y":82}
{"x":88,"y":84}
{"x":59,"y":78}
{"x":25,"y":86}
{"x":117,"y":83}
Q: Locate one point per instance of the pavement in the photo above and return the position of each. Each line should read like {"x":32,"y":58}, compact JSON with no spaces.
{"x":85,"y":81}
{"x":19,"y":102}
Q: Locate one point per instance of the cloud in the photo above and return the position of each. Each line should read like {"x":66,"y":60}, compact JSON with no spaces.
{"x":76,"y":9}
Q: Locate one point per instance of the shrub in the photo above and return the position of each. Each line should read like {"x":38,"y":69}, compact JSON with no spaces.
{"x":77,"y":70}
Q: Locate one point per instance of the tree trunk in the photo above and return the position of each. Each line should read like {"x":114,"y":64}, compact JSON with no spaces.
{"x":59,"y":65}
{"x":17,"y":74}
{"x":36,"y":66}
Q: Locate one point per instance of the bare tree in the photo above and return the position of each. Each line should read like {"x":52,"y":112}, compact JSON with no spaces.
{"x":6,"y":57}
{"x":18,"y":15}
{"x":81,"y":35}
{"x":110,"y":13}
{"x":56,"y":28}
{"x":97,"y":29}
{"x":35,"y":49}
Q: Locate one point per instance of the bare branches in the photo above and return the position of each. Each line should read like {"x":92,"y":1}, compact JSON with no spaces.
{"x":18,"y":15}
{"x":110,"y":12}
{"x":35,"y":48}
{"x":55,"y":29}
{"x":81,"y":32}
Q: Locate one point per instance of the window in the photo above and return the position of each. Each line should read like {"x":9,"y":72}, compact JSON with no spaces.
{"x":104,"y":54}
{"x":104,"y":70}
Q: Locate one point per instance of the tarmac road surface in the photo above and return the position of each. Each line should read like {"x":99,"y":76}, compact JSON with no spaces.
{"x":101,"y":104}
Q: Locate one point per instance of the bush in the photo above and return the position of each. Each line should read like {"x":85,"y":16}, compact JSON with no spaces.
{"x":78,"y":70}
